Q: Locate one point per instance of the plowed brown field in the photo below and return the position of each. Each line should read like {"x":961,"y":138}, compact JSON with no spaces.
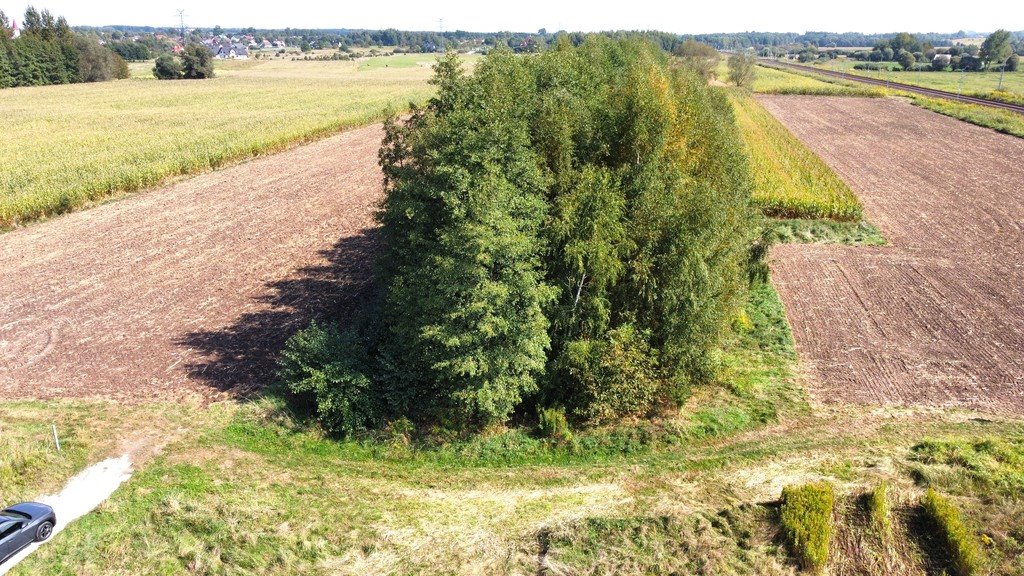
{"x":937,"y":317}
{"x":191,"y":287}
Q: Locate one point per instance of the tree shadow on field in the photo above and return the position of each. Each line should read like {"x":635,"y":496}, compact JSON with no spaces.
{"x":242,"y":358}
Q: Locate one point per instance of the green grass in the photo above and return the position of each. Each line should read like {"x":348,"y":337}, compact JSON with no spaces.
{"x":129,"y":134}
{"x":880,"y":510}
{"x":1003,"y":121}
{"x":960,"y":541}
{"x":806,"y":519}
{"x":822,"y":231}
{"x":790,"y":181}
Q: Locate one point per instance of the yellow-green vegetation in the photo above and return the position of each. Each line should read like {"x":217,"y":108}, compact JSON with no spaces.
{"x":790,"y":181}
{"x":879,"y":509}
{"x":1003,"y":121}
{"x":129,"y":134}
{"x":792,"y":82}
{"x":960,"y":541}
{"x":806,"y":519}
{"x":88,"y":431}
{"x":981,"y":84}
{"x":769,"y":80}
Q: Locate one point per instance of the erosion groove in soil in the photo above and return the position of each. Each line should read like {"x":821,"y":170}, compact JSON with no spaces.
{"x":937,"y":316}
{"x":190,"y":287}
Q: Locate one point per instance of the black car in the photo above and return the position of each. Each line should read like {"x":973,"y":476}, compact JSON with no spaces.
{"x":23,"y":524}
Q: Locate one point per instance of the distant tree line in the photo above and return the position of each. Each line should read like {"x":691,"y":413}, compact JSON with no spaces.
{"x":49,"y":52}
{"x":573,"y":230}
{"x":999,"y":50}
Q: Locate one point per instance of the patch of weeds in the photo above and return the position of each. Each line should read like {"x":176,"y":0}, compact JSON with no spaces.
{"x":959,"y":540}
{"x":823,"y":231}
{"x":974,"y":466}
{"x":879,"y":509}
{"x":806,"y":519}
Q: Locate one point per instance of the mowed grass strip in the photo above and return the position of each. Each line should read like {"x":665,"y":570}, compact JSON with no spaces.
{"x":790,"y":181}
{"x":65,"y":146}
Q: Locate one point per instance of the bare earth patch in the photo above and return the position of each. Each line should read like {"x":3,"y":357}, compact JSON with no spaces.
{"x":937,"y":317}
{"x":190,"y":287}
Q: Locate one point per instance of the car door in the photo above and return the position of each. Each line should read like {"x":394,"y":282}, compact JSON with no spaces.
{"x":10,"y":530}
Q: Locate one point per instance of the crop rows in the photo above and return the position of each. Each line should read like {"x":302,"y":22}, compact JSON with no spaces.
{"x":130,"y":134}
{"x":789,"y":180}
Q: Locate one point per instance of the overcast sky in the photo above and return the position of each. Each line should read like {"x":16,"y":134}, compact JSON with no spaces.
{"x":530,"y":15}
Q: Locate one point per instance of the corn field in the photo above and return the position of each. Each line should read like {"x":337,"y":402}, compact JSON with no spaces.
{"x":790,"y":181}
{"x":65,"y":146}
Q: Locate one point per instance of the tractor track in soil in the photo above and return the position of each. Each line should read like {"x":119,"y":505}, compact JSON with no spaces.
{"x":936,"y":317}
{"x":192,"y":287}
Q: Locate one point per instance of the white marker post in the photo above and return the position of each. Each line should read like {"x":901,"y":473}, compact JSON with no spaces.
{"x":56,"y":440}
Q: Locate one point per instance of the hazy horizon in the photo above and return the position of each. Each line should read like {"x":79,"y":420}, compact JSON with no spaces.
{"x":530,"y":15}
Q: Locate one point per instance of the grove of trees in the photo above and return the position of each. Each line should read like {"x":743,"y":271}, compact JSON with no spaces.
{"x":195,"y":63}
{"x":49,"y":52}
{"x":573,"y":229}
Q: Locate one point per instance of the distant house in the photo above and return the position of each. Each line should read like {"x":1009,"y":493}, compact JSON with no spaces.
{"x":942,"y":60}
{"x":231,"y":52}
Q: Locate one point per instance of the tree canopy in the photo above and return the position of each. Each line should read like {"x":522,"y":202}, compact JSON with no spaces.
{"x":570,"y":229}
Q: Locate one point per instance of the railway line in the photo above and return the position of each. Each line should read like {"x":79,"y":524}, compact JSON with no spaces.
{"x":932,"y":92}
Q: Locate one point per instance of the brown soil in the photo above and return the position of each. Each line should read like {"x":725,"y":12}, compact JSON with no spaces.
{"x":937,"y":317}
{"x":191,"y":287}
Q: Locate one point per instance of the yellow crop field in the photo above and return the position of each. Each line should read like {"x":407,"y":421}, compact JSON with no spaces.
{"x":790,"y":181}
{"x":65,"y":146}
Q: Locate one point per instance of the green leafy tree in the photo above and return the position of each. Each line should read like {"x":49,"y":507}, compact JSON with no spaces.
{"x":996,"y":48}
{"x":1013,"y":63}
{"x":167,"y":67}
{"x":572,"y":229}
{"x":741,"y":70}
{"x":196,"y":62}
{"x":906,"y":60}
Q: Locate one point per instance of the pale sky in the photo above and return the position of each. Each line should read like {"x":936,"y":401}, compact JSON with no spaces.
{"x":867,"y":16}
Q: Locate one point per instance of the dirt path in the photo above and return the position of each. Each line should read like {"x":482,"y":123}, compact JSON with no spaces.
{"x":937,"y":317}
{"x":189,"y":287}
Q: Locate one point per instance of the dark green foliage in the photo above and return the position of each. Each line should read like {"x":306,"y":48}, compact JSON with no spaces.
{"x":167,"y":67}
{"x":960,"y":541}
{"x":131,"y":51}
{"x":552,"y":424}
{"x":1013,"y":63}
{"x":324,"y":363}
{"x":571,"y":228}
{"x":196,"y":62}
{"x":48,"y":52}
{"x":806,"y":518}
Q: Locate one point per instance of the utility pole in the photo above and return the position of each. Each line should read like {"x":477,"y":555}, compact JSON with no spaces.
{"x":1001,"y":70}
{"x":181,"y":21}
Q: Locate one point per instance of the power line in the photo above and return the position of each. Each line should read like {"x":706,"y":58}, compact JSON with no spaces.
{"x":181,"y":20}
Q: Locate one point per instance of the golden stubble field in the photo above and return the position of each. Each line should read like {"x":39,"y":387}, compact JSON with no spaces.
{"x":66,"y":146}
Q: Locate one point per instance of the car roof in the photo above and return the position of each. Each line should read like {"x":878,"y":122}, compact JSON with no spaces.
{"x":28,"y":510}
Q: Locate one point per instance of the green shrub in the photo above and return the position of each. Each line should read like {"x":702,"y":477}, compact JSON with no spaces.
{"x":616,"y":376}
{"x":879,"y":509}
{"x":806,"y":518}
{"x":552,"y":424}
{"x":323,"y":363}
{"x":960,"y":541}
{"x":167,"y":67}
